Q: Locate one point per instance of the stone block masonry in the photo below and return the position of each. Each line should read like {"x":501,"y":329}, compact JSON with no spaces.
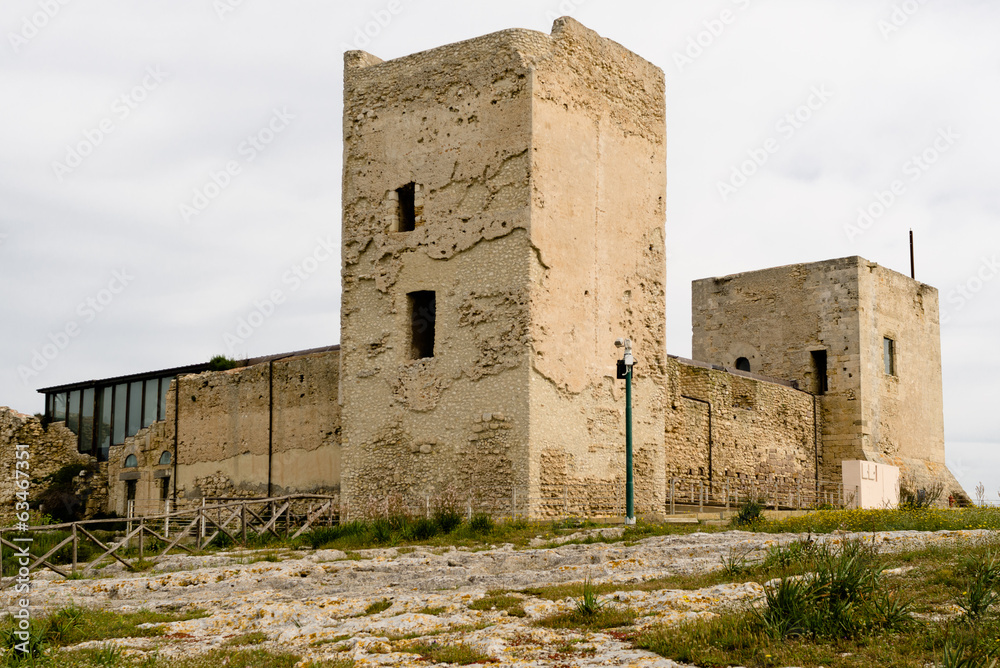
{"x":51,"y":447}
{"x":866,"y":340}
{"x":269,"y":428}
{"x":502,"y":224}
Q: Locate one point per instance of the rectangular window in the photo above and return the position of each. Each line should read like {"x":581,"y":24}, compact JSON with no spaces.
{"x":73,"y":412}
{"x":889,"y":355}
{"x":134,"y":408}
{"x":164,"y":488}
{"x":151,"y":402}
{"x":118,"y":424}
{"x":164,"y":386}
{"x":104,"y":426}
{"x":422,"y":316}
{"x":820,"y":382}
{"x":406,"y":208}
{"x":59,"y":407}
{"x":87,"y":421}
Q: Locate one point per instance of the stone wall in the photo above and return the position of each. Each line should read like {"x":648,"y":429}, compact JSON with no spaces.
{"x":539,"y":163}
{"x":599,"y":271}
{"x":455,"y":121}
{"x":760,"y":429}
{"x":223,"y":446}
{"x":50,"y":448}
{"x":777,"y":317}
{"x":903,"y":412}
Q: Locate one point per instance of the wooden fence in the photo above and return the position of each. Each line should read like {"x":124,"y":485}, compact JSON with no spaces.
{"x":242,"y":521}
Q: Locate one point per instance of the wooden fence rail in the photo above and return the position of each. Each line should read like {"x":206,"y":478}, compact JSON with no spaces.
{"x":241,"y":521}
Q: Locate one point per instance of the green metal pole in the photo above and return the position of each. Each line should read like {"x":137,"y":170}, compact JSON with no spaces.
{"x":629,"y":500}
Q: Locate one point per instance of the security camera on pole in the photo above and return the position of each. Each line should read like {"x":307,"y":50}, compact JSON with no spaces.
{"x":625,"y":365}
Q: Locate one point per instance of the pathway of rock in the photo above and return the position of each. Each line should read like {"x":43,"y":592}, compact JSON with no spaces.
{"x":313,"y":602}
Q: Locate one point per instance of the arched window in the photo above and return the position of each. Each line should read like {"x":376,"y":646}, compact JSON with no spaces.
{"x":743,"y":364}
{"x":164,"y":458}
{"x":131,"y":462}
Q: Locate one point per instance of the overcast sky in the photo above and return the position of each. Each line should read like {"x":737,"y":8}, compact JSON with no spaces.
{"x":127,"y":245}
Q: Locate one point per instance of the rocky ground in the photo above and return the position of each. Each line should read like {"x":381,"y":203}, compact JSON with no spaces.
{"x":313,"y":602}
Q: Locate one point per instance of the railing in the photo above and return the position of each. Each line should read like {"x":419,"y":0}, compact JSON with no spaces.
{"x":191,"y":530}
{"x":243,"y":521}
{"x":689,"y":495}
{"x":607,"y":499}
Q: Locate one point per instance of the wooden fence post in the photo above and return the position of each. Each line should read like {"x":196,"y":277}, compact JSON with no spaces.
{"x":76,"y":542}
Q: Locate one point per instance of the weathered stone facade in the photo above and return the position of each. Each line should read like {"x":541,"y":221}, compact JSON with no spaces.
{"x":540,"y":231}
{"x":269,"y":428}
{"x":50,"y":448}
{"x":503,"y":224}
{"x":787,"y":320}
{"x":760,"y":428}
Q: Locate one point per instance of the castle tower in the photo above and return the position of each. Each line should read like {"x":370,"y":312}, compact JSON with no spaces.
{"x":503,"y":210}
{"x":862,"y":338}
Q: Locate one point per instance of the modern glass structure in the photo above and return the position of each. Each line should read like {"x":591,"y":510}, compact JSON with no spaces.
{"x":105,"y":412}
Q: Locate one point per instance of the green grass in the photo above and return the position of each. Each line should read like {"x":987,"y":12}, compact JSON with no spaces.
{"x":253,"y":638}
{"x":431,"y":611}
{"x":606,"y":617}
{"x":500,"y":601}
{"x":459,"y":654}
{"x":73,"y":625}
{"x":916,"y":519}
{"x":590,"y":613}
{"x":377,"y":607}
{"x":849,"y":615}
{"x":113,"y":657}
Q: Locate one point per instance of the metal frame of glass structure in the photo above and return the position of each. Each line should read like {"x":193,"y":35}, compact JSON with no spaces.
{"x":105,"y":412}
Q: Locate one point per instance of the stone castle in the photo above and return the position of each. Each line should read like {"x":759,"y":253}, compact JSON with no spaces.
{"x":503,"y":223}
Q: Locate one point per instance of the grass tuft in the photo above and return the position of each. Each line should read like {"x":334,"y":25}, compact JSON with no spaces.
{"x":377,"y":607}
{"x":500,"y":601}
{"x":460,"y":654}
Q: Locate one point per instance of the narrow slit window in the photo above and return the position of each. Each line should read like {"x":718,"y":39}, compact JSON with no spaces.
{"x":889,"y":355}
{"x":407,"y":211}
{"x":820,"y":384}
{"x":743,"y":364}
{"x":422,"y":315}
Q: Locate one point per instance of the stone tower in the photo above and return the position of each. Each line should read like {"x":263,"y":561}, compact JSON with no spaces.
{"x":503,"y":211}
{"x":862,"y":338}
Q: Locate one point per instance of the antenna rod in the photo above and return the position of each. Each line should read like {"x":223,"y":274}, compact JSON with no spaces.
{"x":913,"y":273}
